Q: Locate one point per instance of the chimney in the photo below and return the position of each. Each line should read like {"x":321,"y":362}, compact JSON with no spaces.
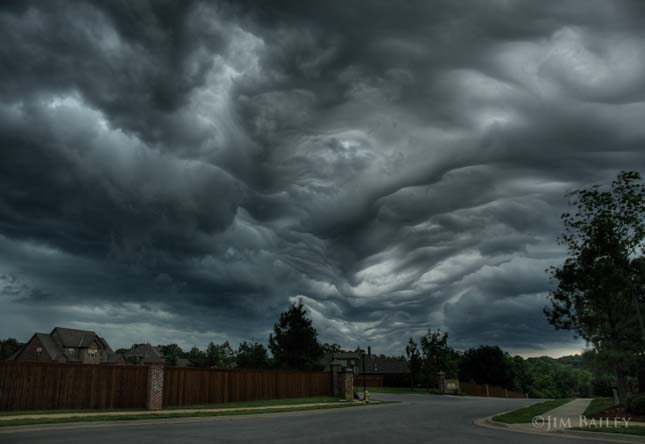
{"x":369,"y":351}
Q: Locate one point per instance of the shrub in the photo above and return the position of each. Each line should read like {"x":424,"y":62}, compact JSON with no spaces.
{"x":636,"y":404}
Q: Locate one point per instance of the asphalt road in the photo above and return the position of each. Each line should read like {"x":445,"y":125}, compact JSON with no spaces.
{"x":417,"y":419}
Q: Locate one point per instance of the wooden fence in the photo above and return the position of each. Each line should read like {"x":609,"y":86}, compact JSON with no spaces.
{"x":383,"y":380}
{"x":370,"y":381}
{"x":40,"y":386}
{"x":194,"y":386}
{"x":488,"y":390}
{"x":44,"y":386}
{"x":464,"y":387}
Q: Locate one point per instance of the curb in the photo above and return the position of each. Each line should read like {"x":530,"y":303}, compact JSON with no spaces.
{"x":489,"y":423}
{"x":188,"y":419}
{"x":613,"y":437}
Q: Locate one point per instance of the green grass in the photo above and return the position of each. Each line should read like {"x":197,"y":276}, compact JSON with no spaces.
{"x":138,"y":417}
{"x":599,"y":405}
{"x":262,"y":403}
{"x":631,"y":430}
{"x":46,"y":412}
{"x":397,"y":390}
{"x":526,"y":414}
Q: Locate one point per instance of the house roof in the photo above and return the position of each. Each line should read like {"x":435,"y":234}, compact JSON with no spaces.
{"x":114,"y":358}
{"x":145,"y":352}
{"x":52,"y":349}
{"x":347,"y":355}
{"x":376,"y":364}
{"x":75,"y":338}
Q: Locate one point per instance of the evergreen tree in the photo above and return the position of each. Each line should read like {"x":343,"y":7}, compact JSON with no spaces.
{"x":294,"y":342}
{"x":220,"y":356}
{"x":252,"y":355}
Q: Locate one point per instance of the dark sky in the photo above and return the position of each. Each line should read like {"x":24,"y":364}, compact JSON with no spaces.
{"x":181,"y":171}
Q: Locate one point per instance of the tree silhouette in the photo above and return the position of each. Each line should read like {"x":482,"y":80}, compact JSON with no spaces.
{"x":294,"y":342}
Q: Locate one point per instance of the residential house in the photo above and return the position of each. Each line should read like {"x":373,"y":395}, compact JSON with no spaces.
{"x":379,"y":370}
{"x":141,"y":354}
{"x":68,"y":345}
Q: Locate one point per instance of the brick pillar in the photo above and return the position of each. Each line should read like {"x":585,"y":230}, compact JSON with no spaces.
{"x":442,"y":382}
{"x":154,"y":399}
{"x":348,"y":377}
{"x":336,"y":388}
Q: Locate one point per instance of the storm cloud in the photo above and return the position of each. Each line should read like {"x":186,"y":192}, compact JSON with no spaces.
{"x":182,"y":171}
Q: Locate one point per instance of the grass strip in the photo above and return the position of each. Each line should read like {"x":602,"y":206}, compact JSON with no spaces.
{"x":599,"y":405}
{"x":631,"y":430}
{"x":526,"y":414}
{"x":138,"y":417}
{"x":397,"y":390}
{"x":53,"y":411}
{"x":263,"y":403}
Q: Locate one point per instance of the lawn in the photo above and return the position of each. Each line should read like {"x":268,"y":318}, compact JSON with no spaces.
{"x":161,"y":415}
{"x":631,"y":430}
{"x":397,"y":390}
{"x":46,"y":412}
{"x":526,"y":414}
{"x":262,"y":403}
{"x":599,"y":405}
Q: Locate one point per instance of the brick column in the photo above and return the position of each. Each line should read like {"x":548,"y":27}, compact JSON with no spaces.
{"x":336,"y":388}
{"x":442,"y":382}
{"x":154,"y":399}
{"x":348,"y":376}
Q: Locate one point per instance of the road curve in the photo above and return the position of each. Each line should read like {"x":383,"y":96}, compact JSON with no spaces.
{"x":417,"y":419}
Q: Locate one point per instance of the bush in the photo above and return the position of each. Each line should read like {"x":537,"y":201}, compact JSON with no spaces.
{"x":636,"y":404}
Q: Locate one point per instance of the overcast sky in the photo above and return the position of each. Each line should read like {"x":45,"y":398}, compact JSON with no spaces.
{"x":182,"y":171}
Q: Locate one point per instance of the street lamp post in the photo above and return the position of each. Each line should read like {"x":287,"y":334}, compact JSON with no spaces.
{"x":364,"y":379}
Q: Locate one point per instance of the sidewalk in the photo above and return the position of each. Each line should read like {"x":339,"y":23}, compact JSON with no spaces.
{"x":152,"y":413}
{"x":563,"y":417}
{"x":558,"y":422}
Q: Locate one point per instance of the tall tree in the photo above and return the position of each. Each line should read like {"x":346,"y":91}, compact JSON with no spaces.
{"x":487,"y":365}
{"x":598,"y":288}
{"x":437,"y":355}
{"x":294,"y":342}
{"x":252,"y":355}
{"x":8,"y":347}
{"x":220,"y":355}
{"x":328,"y":348}
{"x":171,"y":353}
{"x":197,"y":357}
{"x":414,"y":361}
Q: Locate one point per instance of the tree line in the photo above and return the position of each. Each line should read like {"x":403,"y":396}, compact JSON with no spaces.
{"x":292,"y":345}
{"x":542,"y":377}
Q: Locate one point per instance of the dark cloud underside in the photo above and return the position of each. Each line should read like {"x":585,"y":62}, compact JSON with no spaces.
{"x":181,"y":171}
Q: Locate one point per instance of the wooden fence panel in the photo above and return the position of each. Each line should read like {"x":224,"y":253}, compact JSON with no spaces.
{"x":43,"y":386}
{"x":497,"y":392}
{"x":370,"y":381}
{"x":494,"y":392}
{"x":192,"y":386}
{"x":472,"y":389}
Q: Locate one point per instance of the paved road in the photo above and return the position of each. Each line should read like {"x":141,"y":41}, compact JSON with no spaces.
{"x":417,"y":419}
